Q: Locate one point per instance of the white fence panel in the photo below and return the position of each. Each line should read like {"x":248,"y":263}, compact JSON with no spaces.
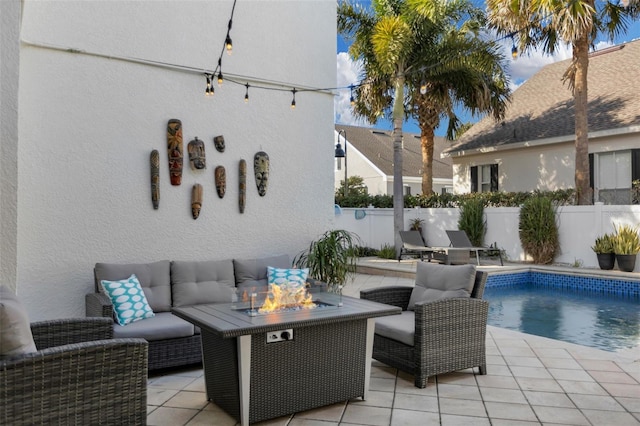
{"x":578,"y":228}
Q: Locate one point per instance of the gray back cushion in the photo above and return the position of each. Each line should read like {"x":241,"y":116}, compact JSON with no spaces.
{"x":154,"y":279}
{"x":253,"y":272}
{"x":434,"y":282}
{"x":202,"y":282}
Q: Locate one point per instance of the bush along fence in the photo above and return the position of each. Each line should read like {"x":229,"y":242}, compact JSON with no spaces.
{"x":564,"y":197}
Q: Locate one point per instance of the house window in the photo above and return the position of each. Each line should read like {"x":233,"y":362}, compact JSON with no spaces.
{"x":484,"y":178}
{"x":613,"y":173}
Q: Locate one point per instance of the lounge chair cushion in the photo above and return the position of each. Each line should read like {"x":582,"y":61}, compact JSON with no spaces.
{"x":202,"y":282}
{"x":128,"y":299}
{"x":15,"y":329}
{"x":163,"y":326}
{"x":398,"y":327}
{"x":154,"y":279}
{"x":434,"y":282}
{"x":253,"y":272}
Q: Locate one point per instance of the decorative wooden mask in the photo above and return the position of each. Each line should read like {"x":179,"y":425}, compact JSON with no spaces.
{"x":175,"y":150}
{"x":243,"y":185}
{"x":261,"y":171}
{"x":218,"y":142}
{"x":197,"y":157}
{"x":196,"y":200}
{"x":155,"y":178}
{"x":221,"y":181}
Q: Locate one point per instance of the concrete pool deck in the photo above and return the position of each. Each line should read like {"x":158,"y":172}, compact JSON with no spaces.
{"x":530,"y":380}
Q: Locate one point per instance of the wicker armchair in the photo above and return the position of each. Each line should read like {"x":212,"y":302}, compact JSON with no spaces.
{"x":449,"y":334}
{"x":79,"y":375}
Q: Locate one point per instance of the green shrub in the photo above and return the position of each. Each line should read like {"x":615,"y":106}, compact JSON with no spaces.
{"x":360,"y":251}
{"x":538,"y":229}
{"x":387,"y":251}
{"x":472,"y":220}
{"x":626,"y":240}
{"x":604,"y":244}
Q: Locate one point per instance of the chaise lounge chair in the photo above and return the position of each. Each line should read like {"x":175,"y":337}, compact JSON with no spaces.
{"x":460,"y":240}
{"x":412,"y":242}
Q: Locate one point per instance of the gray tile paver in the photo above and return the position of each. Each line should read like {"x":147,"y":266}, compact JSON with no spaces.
{"x":530,"y":381}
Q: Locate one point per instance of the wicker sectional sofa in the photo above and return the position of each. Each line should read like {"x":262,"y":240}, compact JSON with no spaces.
{"x":167,"y":284}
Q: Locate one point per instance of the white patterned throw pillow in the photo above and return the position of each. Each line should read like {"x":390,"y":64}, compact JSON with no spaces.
{"x":280,"y":276}
{"x":129,"y":302}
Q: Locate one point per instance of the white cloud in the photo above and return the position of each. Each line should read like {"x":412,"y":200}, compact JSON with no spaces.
{"x":348,"y":74}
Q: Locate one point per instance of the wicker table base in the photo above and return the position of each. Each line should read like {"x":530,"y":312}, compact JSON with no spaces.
{"x":327,"y":360}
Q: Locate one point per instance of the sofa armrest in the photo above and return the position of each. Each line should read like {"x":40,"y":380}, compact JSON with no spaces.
{"x":392,"y":295}
{"x":59,"y":332}
{"x":98,"y":305}
{"x":83,"y":383}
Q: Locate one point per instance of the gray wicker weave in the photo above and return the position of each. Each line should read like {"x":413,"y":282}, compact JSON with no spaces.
{"x":162,"y":353}
{"x":80,"y":375}
{"x":449,"y":334}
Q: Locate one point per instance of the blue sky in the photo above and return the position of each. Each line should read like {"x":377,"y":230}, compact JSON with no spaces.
{"x":519,"y":71}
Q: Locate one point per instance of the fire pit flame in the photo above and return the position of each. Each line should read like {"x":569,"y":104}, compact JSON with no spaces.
{"x":287,"y":296}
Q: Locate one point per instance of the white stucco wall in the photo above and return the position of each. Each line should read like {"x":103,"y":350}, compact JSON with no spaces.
{"x":9,"y":76}
{"x":88,"y":124}
{"x":542,"y":167}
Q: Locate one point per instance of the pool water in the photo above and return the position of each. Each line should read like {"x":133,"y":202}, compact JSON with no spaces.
{"x":600,"y":320}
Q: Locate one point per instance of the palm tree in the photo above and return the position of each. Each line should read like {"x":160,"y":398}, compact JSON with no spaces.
{"x":414,"y":44}
{"x":575,"y":22}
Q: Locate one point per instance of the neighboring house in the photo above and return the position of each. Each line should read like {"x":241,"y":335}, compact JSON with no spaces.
{"x":370,"y":156}
{"x":533,"y":147}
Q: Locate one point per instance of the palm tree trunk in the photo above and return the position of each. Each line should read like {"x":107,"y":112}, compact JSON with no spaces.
{"x":426,"y":143}
{"x":581,"y":58}
{"x":398,"y":196}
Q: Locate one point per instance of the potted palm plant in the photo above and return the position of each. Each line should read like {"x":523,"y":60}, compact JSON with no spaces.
{"x":603,"y":248}
{"x":626,"y":246}
{"x":331,"y":258}
{"x":416,"y":224}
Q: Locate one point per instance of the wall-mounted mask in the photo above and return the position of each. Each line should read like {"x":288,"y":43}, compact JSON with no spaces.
{"x":175,"y":150}
{"x":197,"y":157}
{"x":261,"y":171}
{"x":221,"y":180}
{"x":196,"y":200}
{"x":218,"y":142}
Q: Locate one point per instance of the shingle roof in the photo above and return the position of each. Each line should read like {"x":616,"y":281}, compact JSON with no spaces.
{"x":543,"y":106}
{"x":377,"y":146}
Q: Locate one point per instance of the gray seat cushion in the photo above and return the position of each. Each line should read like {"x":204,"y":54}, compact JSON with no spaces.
{"x":250,"y":273}
{"x":434,"y":282}
{"x":154,"y":279}
{"x":163,"y":326}
{"x":398,"y":327}
{"x":202,"y":282}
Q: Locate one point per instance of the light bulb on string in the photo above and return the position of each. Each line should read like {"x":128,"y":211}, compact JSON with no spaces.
{"x":514,"y":52}
{"x":423,"y":87}
{"x":220,"y":79}
{"x":228,"y":44}
{"x":246,"y":94}
{"x":352,"y":100}
{"x":293,"y":101}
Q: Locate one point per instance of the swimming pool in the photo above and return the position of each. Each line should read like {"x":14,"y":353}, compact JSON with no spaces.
{"x":589,"y":311}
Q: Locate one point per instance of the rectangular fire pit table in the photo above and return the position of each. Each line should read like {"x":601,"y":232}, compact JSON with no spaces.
{"x":270,"y":365}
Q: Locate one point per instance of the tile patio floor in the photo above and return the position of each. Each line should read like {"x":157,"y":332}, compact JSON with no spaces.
{"x":531,"y":380}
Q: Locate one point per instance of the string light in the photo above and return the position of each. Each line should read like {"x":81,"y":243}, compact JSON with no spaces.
{"x":246,"y":93}
{"x":209,"y":90}
{"x":351,"y":100}
{"x":293,"y":101}
{"x":228,"y":44}
{"x":423,"y":87}
{"x":220,"y":79}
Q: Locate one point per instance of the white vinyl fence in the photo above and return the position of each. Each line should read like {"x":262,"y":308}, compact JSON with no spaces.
{"x":578,"y":227}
